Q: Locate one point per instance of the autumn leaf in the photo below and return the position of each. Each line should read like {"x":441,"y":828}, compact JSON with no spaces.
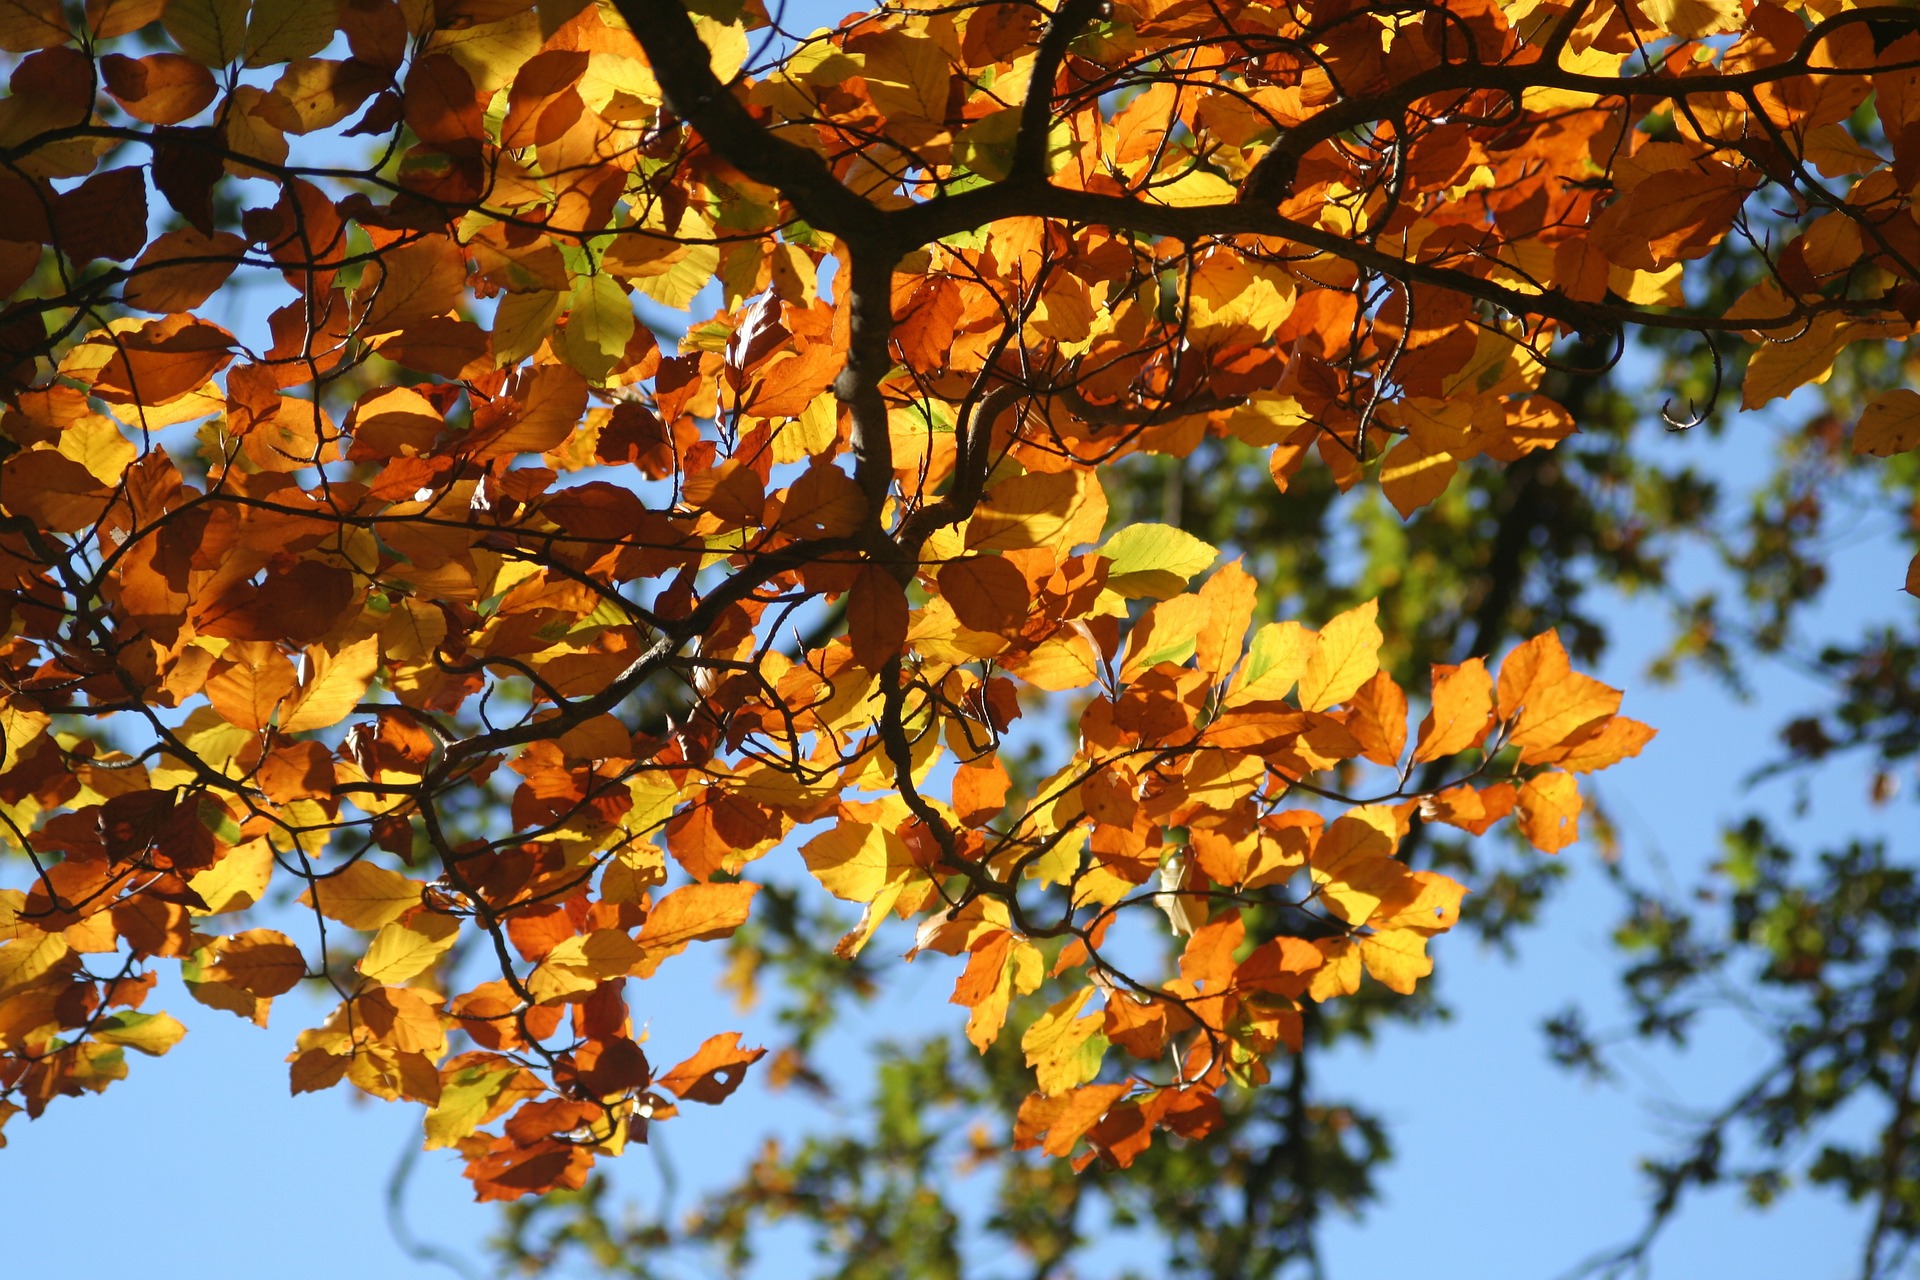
{"x":335,"y":683}
{"x":405,"y":949}
{"x":987,"y":593}
{"x":712,"y":1074}
{"x":693,"y":913}
{"x":364,"y":895}
{"x":1549,"y":811}
{"x":1154,"y":560}
{"x":1344,"y":657}
{"x":1890,"y":424}
{"x":1462,"y":711}
{"x":150,"y":1033}
{"x":261,"y":962}
{"x":1064,"y":1047}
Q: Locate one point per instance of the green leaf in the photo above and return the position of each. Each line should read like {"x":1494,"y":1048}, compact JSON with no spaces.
{"x":599,"y":325}
{"x":1155,"y":560}
{"x":464,"y":1103}
{"x":282,"y":30}
{"x":211,"y":32}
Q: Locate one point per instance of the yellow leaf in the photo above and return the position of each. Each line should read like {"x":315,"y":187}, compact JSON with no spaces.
{"x":402,"y":950}
{"x":24,"y":960}
{"x":1340,"y":975}
{"x":1194,"y":187}
{"x":364,"y":895}
{"x":1434,"y":907}
{"x":601,"y":954}
{"x":1274,"y":661}
{"x":18,"y":727}
{"x":1691,"y":19}
{"x":1061,"y":1045}
{"x":1345,"y":657}
{"x":1396,"y":958}
{"x":1353,"y":864}
{"x":237,"y":881}
{"x":150,"y":1033}
{"x":726,"y":45}
{"x":907,"y":77}
{"x":1064,"y":661}
{"x":850,"y":860}
{"x":1168,"y":632}
{"x":1057,"y":509}
{"x":466,"y":1102}
{"x":1020,"y":972}
{"x":521,"y":322}
{"x":337,"y":680}
{"x":95,"y":443}
{"x":1890,"y":424}
{"x":1780,"y":367}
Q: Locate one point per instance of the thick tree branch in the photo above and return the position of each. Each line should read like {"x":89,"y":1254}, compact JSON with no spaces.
{"x":683,"y":66}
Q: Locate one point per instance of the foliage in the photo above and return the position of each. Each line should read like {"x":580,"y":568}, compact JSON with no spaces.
{"x":449,"y":600}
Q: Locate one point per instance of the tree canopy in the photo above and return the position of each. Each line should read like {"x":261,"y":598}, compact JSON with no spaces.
{"x":496,"y":494}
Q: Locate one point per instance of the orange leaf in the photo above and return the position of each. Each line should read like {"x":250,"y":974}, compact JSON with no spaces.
{"x":1230,"y":596}
{"x":1620,"y":739}
{"x":1377,"y":719}
{"x":980,"y":790}
{"x":248,"y":684}
{"x":693,"y":913}
{"x":160,"y":361}
{"x":824,"y":502}
{"x":336,"y":681}
{"x":1550,"y":811}
{"x":712,"y":1073}
{"x":1462,"y":711}
{"x":1555,"y":705}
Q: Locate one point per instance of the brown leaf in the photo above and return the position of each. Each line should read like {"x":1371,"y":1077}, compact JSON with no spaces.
{"x":182,"y":269}
{"x":987,"y":592}
{"x":262,"y":962}
{"x":714,"y":1072}
{"x":186,"y":167}
{"x":160,"y":88}
{"x":876,"y":617}
{"x":103,"y":217}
